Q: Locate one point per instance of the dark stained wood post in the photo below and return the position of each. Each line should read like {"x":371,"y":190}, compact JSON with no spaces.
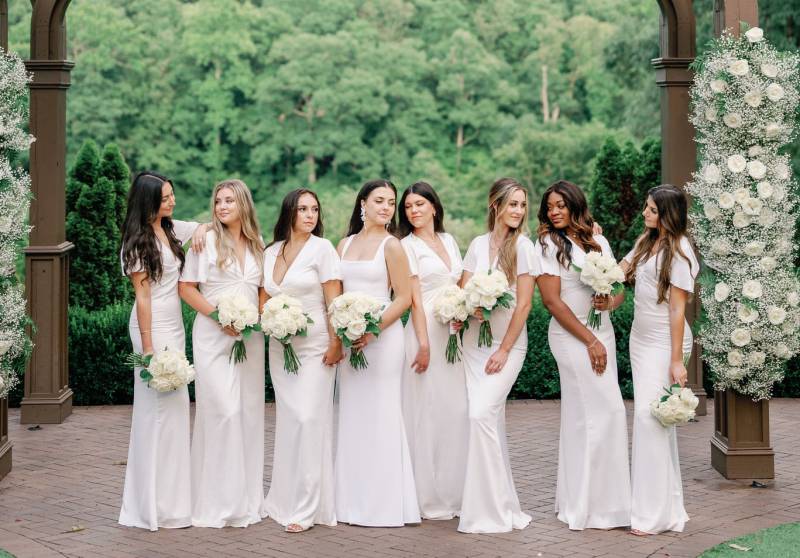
{"x":678,"y":151}
{"x":48,"y":398}
{"x":740,"y":448}
{"x":5,"y":443}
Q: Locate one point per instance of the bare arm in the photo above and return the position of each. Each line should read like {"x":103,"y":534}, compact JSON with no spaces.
{"x":397,"y":264}
{"x":518,"y":319}
{"x":263,"y":297}
{"x":192,"y":296}
{"x":144,"y":311}
{"x":330,"y":290}
{"x":422,"y":359}
{"x":677,"y":322}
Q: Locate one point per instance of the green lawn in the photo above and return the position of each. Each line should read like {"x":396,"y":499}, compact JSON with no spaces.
{"x":776,"y":542}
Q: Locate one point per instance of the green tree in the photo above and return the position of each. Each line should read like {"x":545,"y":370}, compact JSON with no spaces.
{"x":114,"y":168}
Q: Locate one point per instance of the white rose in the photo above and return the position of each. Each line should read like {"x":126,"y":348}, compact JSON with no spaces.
{"x":782,"y":171}
{"x":721,"y":291}
{"x":720,"y":246}
{"x":754,"y":34}
{"x":732,"y":120}
{"x":741,"y":194}
{"x":781,"y":350}
{"x":775,"y":92}
{"x":735,"y":373}
{"x":740,"y":220}
{"x":778,"y":193}
{"x":769,"y":70}
{"x":755,"y":151}
{"x":356,"y":329}
{"x":756,"y":169}
{"x":768,"y":264}
{"x":767,"y":217}
{"x":740,"y":337}
{"x":726,"y":200}
{"x":793,"y":298}
{"x":752,"y":289}
{"x":712,"y":174}
{"x":739,"y":67}
{"x":737,"y":163}
{"x":753,"y":98}
{"x":752,"y":206}
{"x":711,"y":114}
{"x":711,"y":210}
{"x":772,"y":130}
{"x":756,"y":358}
{"x":746,"y":314}
{"x":776,"y":315}
{"x":718,"y":86}
{"x":765,"y":189}
{"x":735,"y":357}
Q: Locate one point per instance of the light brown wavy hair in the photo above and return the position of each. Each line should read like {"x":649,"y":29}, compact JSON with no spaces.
{"x":226,"y":252}
{"x":580,"y":222}
{"x":499,"y":197}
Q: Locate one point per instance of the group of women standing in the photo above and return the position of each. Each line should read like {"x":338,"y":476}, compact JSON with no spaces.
{"x":417,"y":437}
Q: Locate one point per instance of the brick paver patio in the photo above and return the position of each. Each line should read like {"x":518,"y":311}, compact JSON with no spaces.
{"x":62,"y":499}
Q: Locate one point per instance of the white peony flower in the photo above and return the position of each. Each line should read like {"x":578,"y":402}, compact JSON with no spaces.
{"x":793,"y":298}
{"x":732,"y":120}
{"x":775,"y":92}
{"x":782,"y":171}
{"x":776,"y":315}
{"x":772,"y":130}
{"x":768,"y":264}
{"x":711,"y":210}
{"x":739,"y":67}
{"x":721,"y":246}
{"x":756,"y":169}
{"x":712,"y":174}
{"x":754,"y":248}
{"x":752,"y":206}
{"x":721,"y":291}
{"x":740,"y":337}
{"x":746,"y":314}
{"x":754,"y":34}
{"x":711,"y":114}
{"x":726,"y":200}
{"x":756,"y":358}
{"x":737,"y":163}
{"x":753,"y":98}
{"x":765,"y":189}
{"x":735,"y":357}
{"x":769,"y":70}
{"x":740,"y":220}
{"x":752,"y":289}
{"x":718,"y":86}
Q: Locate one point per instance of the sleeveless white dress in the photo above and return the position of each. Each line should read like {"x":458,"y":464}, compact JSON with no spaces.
{"x":435,"y":402}
{"x":157,"y":489}
{"x":490,"y":502}
{"x":657,"y":503}
{"x":301,"y":490}
{"x":374,"y":476}
{"x":593,"y":484}
{"x":228,"y":437}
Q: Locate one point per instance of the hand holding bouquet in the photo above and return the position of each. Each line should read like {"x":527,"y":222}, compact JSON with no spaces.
{"x":449,"y":306}
{"x":486,"y":291}
{"x":675,"y":407}
{"x":165,"y":370}
{"x":238,"y":312}
{"x":604,"y":276}
{"x":282,"y":319}
{"x":352,"y":315}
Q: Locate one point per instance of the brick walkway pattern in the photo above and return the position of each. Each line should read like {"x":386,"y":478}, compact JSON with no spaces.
{"x":62,"y":499}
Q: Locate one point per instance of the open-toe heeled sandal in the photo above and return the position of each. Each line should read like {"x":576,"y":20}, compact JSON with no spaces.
{"x":296,"y":528}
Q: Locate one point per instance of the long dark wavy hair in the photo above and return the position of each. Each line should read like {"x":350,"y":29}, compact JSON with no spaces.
{"x":288,"y":216}
{"x":672,"y":224}
{"x":139,"y":242}
{"x":404,"y":226}
{"x":356,"y":224}
{"x":580,"y":222}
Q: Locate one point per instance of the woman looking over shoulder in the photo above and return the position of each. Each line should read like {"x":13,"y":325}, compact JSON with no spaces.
{"x":434,"y":391}
{"x":593,"y":483}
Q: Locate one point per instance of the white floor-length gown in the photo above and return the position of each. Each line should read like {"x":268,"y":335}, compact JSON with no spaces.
{"x":490,"y":503}
{"x":157,"y":482}
{"x":301,"y":490}
{"x":373,"y":471}
{"x":593,"y":483}
{"x":435,"y":401}
{"x":228,"y":437}
{"x":657,"y":503}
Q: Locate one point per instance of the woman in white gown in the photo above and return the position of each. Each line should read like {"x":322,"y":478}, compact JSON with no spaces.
{"x":302,"y":264}
{"x":593,"y":483}
{"x":490,"y":503}
{"x":434,"y":391}
{"x":228,"y":439}
{"x":157,"y":486}
{"x":374,"y":477}
{"x":663,"y":267}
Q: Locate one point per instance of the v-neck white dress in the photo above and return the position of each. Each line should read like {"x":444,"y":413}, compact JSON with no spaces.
{"x":593,"y":484}
{"x":157,"y":485}
{"x":374,"y":476}
{"x":490,"y":502}
{"x":301,"y":490}
{"x":435,"y":401}
{"x":228,"y":438}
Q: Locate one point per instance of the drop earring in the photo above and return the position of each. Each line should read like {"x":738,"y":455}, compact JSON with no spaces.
{"x":363,"y":214}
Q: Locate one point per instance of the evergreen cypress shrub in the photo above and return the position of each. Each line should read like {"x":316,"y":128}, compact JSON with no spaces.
{"x":85,"y":171}
{"x":114,"y":168}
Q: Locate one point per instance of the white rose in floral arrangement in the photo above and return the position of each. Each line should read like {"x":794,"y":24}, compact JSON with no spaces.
{"x":754,"y":34}
{"x":752,"y":206}
{"x":740,"y":220}
{"x":739,"y":67}
{"x":772,"y":130}
{"x":782,"y":171}
{"x":756,"y":169}
{"x":721,"y":291}
{"x":756,"y":358}
{"x":752,"y":289}
{"x":753,"y":98}
{"x":741,"y":194}
{"x":776,"y":315}
{"x":769,"y":70}
{"x":740,"y":337}
{"x":718,"y":86}
{"x":726,"y":200}
{"x":767,"y":217}
{"x":737,"y":163}
{"x":711,"y":210}
{"x":775,"y":92}
{"x":732,"y":120}
{"x":768,"y":264}
{"x":711,"y":114}
{"x":735,"y":357}
{"x":781,"y":350}
{"x":746,"y":314}
{"x":778,"y":192}
{"x":721,"y":246}
{"x":793,"y":298}
{"x":755,"y":151}
{"x":712,"y":174}
{"x":765,"y":189}
{"x":735,"y":373}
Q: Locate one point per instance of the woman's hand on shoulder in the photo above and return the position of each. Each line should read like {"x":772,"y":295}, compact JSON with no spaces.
{"x":199,"y":237}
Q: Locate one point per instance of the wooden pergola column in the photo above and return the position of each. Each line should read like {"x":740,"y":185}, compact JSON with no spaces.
{"x":5,"y":442}
{"x":48,"y":398}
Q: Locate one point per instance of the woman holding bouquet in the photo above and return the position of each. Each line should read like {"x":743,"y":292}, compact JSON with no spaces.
{"x":374,"y":477}
{"x":490,"y":502}
{"x":593,"y":486}
{"x":434,"y":390}
{"x":663,"y":267}
{"x":301,"y":264}
{"x":157,"y":486}
{"x":228,"y":438}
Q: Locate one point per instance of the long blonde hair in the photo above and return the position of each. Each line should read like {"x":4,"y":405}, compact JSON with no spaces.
{"x":499,"y":197}
{"x":251,"y":230}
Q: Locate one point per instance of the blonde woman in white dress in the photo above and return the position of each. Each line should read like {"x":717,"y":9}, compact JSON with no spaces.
{"x":593,"y":484}
{"x":301,"y":264}
{"x":663,"y":267}
{"x":157,"y":489}
{"x":434,"y":391}
{"x":374,"y":476}
{"x":228,"y":438}
{"x":490,"y":503}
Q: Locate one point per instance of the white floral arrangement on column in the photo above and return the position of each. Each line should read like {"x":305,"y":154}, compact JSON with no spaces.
{"x":15,"y":194}
{"x":745,"y":98}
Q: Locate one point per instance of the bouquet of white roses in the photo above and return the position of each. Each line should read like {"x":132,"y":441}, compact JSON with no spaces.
{"x":238,"y":312}
{"x":487,"y":290}
{"x":353,"y":314}
{"x":165,"y":370}
{"x":604,"y":276}
{"x":449,"y":306}
{"x":282,"y":319}
{"x":676,"y":406}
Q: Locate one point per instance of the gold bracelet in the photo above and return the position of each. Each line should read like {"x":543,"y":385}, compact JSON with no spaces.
{"x":590,"y":345}
{"x":145,"y":331}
